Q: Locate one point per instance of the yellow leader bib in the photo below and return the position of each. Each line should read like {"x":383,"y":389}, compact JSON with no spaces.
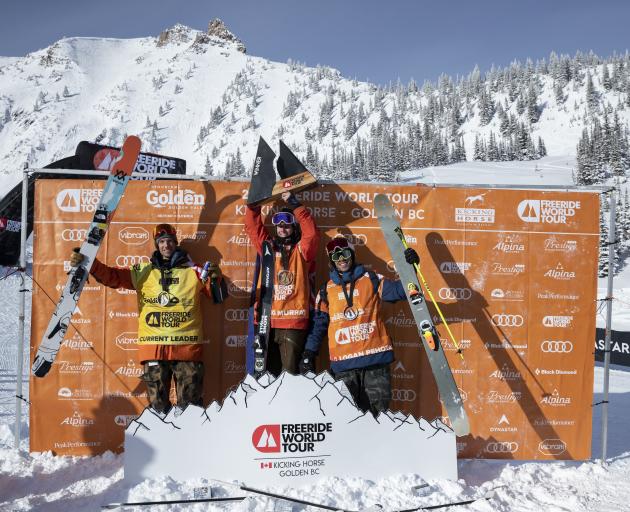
{"x":170,"y":317}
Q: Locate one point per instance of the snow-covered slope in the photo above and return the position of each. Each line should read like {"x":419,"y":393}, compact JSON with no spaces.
{"x":201,"y":98}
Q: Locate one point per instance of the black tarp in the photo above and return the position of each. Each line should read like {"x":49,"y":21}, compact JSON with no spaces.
{"x":619,"y":347}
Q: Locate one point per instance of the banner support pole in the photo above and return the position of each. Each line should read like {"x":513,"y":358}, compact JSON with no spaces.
{"x":22,"y":315}
{"x":612,"y":239}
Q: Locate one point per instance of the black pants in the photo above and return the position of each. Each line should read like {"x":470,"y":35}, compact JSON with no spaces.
{"x":371,"y":387}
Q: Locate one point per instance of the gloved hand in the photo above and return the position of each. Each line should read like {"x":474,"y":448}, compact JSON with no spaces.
{"x":307,"y":362}
{"x":290,"y":199}
{"x":214,"y":272}
{"x":76,"y":257}
{"x":411,"y":256}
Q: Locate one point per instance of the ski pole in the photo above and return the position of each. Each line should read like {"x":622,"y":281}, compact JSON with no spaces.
{"x":426,"y":286}
{"x":171,"y":502}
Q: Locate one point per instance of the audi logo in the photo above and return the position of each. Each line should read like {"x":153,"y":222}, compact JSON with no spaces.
{"x":128,"y":260}
{"x":73,"y":235}
{"x":403,"y":395}
{"x":556,"y":347}
{"x":455,"y":293}
{"x":503,"y":320}
{"x":502,"y":447}
{"x":236,"y":315}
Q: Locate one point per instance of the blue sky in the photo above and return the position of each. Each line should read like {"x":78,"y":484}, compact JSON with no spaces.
{"x":376,"y":40}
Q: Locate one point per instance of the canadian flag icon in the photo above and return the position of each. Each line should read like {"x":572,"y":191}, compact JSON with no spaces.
{"x":266,"y":438}
{"x":266,"y":465}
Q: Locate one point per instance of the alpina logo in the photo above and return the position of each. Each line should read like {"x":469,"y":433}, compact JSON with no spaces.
{"x":506,"y":374}
{"x":552,"y":447}
{"x":131,"y":370}
{"x":555,"y":400}
{"x":290,"y":437}
{"x":74,"y":200}
{"x":400,"y":320}
{"x":77,"y":421}
{"x":175,"y":198}
{"x":546,"y":211}
{"x":510,"y":244}
{"x":74,"y":344}
{"x":242,"y":240}
{"x":133,"y":235}
{"x":559,"y":273}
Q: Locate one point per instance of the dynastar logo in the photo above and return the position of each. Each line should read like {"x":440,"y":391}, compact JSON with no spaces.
{"x":454,"y":267}
{"x":503,"y":425}
{"x":547,"y":212}
{"x":74,"y":200}
{"x":290,"y":437}
{"x":552,"y":447}
{"x":133,"y":235}
{"x":559,"y":273}
{"x":171,"y":197}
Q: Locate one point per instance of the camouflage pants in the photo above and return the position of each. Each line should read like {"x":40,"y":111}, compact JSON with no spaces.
{"x":188,"y":383}
{"x":285,"y":350}
{"x":370,"y":387}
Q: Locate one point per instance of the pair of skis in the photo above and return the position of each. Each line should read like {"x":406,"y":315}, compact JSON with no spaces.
{"x":291,"y":499}
{"x":430,"y":339}
{"x":120,"y":173}
{"x":261,"y":340}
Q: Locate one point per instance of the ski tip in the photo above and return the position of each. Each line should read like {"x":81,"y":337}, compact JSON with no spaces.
{"x":40,"y":367}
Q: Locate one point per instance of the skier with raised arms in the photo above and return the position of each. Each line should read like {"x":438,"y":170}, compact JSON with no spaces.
{"x":170,"y":324}
{"x":348,"y":311}
{"x":295,"y":242}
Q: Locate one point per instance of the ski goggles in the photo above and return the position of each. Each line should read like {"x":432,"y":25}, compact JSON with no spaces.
{"x":282,"y":218}
{"x":341,"y":254}
{"x":164,"y":231}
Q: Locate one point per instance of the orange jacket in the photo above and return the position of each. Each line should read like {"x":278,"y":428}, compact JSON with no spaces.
{"x":115,"y":277}
{"x":292,"y":286}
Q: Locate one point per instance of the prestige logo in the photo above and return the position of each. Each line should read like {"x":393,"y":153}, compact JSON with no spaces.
{"x":546,"y":211}
{"x":290,"y":437}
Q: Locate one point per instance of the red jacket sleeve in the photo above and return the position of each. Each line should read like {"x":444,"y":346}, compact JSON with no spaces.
{"x":255,"y":227}
{"x":310,"y":235}
{"x":113,"y":277}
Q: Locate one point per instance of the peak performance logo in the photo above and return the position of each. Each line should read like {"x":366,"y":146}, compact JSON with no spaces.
{"x":547,"y":212}
{"x":290,"y":437}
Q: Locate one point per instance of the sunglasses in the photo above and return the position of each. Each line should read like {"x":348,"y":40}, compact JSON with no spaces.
{"x":341,"y":254}
{"x":282,"y":218}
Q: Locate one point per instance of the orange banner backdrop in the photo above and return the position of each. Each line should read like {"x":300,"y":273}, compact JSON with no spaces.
{"x":514,"y":272}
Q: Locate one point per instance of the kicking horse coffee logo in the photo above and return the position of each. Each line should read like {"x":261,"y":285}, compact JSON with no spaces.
{"x":290,"y":437}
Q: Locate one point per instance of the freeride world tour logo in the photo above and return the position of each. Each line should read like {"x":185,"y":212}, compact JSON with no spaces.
{"x":547,"y":211}
{"x":290,"y":437}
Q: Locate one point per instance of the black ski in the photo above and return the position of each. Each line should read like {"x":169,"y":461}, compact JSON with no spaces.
{"x":449,"y":393}
{"x":261,"y":340}
{"x":171,"y":502}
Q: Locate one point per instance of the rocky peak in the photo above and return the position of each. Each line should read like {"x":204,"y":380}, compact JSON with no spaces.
{"x":216,"y":28}
{"x":178,"y":33}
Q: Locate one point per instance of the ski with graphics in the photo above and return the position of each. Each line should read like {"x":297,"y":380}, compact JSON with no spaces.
{"x":261,"y":340}
{"x":449,"y":393}
{"x":120,"y":171}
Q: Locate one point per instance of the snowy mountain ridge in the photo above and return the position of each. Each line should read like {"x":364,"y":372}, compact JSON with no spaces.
{"x":198,"y":96}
